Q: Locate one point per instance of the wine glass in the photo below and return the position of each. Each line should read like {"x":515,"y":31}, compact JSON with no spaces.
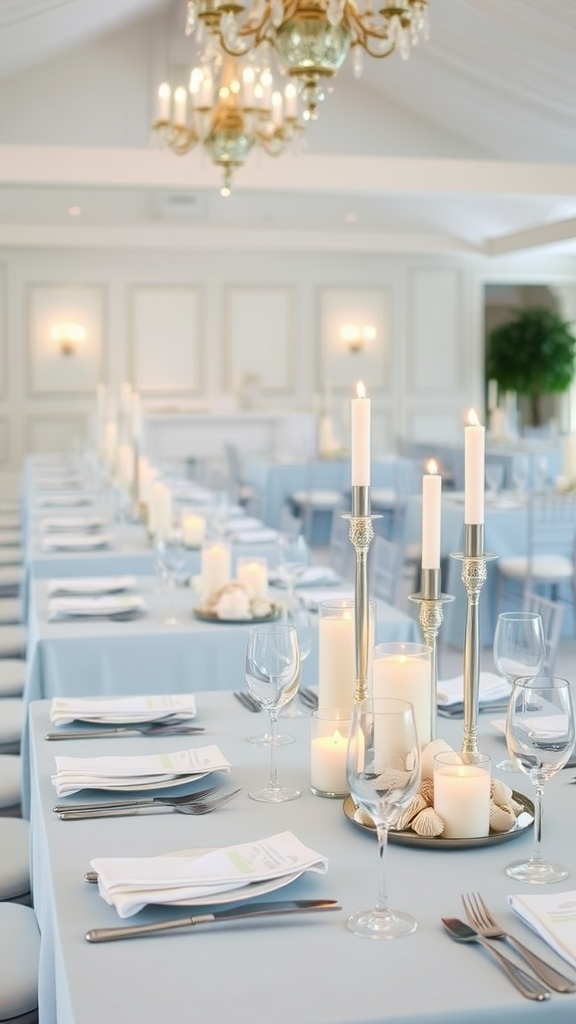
{"x":296,"y":614}
{"x":293,"y":558}
{"x":170,"y":555}
{"x":273,"y":675}
{"x":540,"y":736}
{"x":519,"y":650}
{"x":494,"y":474}
{"x":383,"y":769}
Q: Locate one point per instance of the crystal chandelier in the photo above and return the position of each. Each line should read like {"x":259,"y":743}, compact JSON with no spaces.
{"x":228,"y":108}
{"x":312,"y":38}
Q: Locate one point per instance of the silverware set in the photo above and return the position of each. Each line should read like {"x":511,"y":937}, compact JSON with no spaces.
{"x":194,"y":803}
{"x":151,"y":729}
{"x":308,"y":698}
{"x":484,"y":929}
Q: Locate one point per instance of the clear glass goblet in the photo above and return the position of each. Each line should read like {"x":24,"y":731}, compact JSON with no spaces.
{"x":540,"y":736}
{"x":273,"y":675}
{"x":296,"y":614}
{"x":383,"y":770}
{"x":519,"y":650}
{"x":293,"y":558}
{"x":170,"y":556}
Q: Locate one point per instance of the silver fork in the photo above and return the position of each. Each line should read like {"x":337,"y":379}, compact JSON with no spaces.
{"x":247,"y":701}
{"x":309,"y":698}
{"x":191,"y":807}
{"x":482,"y":920}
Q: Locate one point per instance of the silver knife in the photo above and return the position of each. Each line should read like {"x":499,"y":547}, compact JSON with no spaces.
{"x":231,"y":914}
{"x":125,"y":730}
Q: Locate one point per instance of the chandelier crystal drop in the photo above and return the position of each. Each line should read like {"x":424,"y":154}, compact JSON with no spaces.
{"x":312,"y":38}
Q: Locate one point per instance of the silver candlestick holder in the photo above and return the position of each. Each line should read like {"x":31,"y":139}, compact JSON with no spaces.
{"x":361,"y":535}
{"x":430,"y":617}
{"x":474,"y":572}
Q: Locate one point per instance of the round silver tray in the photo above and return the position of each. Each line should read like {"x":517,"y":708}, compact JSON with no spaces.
{"x":205,"y":616}
{"x":407,"y":837}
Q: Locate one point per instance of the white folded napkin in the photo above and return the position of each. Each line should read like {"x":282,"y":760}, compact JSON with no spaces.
{"x":75,"y":542}
{"x":73,"y":524}
{"x":130,"y":883}
{"x":313,"y":576}
{"x":313,"y":596}
{"x":81,"y":606}
{"x":254,"y":536}
{"x":90,"y":586}
{"x":243,"y":524}
{"x":492,"y":688}
{"x":553,"y":917}
{"x":62,"y":500}
{"x":177,"y":707}
{"x":142,"y":772}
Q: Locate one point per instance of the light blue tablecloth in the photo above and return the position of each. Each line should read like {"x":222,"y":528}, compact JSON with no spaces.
{"x":72,"y":658}
{"x":307,"y":969}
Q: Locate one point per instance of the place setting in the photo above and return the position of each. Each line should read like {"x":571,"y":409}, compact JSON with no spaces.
{"x":164,"y":714}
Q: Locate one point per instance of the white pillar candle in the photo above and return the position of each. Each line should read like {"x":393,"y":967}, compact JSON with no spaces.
{"x":360,"y":437}
{"x":111,"y":443}
{"x":252,"y":573}
{"x":474,"y":435}
{"x":126,"y":464}
{"x":125,"y":398}
{"x":404,"y":671}
{"x":193,"y":530}
{"x":462,"y":796}
{"x":328,"y":750}
{"x":101,"y":401}
{"x":136,"y":416}
{"x":431,"y":505}
{"x":337,"y":659}
{"x":497,"y":424}
{"x":492,"y":394}
{"x":215,"y":568}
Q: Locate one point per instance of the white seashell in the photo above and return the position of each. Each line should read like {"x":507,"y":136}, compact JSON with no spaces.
{"x":428,"y":823}
{"x":417,"y":804}
{"x":426,"y":791}
{"x":427,"y":756}
{"x":500,"y":792}
{"x":502,"y":817}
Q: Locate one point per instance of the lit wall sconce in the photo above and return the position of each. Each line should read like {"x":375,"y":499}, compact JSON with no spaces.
{"x":68,"y":336}
{"x":356,"y":337}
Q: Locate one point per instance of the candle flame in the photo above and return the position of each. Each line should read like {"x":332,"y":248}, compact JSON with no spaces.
{"x":431,"y":466}
{"x":347,"y":616}
{"x":473,"y":420}
{"x":337,"y":737}
{"x":360,"y":390}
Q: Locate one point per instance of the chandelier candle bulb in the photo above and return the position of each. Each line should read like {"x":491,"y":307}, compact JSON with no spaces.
{"x":180,"y":103}
{"x":164,"y":95}
{"x":215,"y":568}
{"x":431,"y":516}
{"x":360,"y":437}
{"x":403,"y":671}
{"x":193,"y":530}
{"x":474,"y":443}
{"x":330,"y":729}
{"x":462,"y":794}
{"x":252,"y":573}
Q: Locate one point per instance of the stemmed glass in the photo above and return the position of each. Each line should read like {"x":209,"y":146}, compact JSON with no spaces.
{"x":293,"y":558}
{"x":296,"y":614}
{"x":170,"y":555}
{"x":383,"y":769}
{"x":494,"y":473}
{"x":540,"y":736}
{"x":273,"y":675}
{"x":519,"y":650}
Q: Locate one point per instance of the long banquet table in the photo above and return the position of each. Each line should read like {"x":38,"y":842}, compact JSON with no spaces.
{"x":102,"y":657}
{"x":307,"y":968}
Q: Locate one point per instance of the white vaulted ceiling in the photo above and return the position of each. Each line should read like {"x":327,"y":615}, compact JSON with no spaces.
{"x":470,"y":145}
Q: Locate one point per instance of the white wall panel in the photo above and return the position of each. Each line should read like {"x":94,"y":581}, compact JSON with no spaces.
{"x":3,"y":334}
{"x":49,"y":370}
{"x":362,"y":307}
{"x":259,"y":338}
{"x":435,"y":331}
{"x":166,"y":350}
{"x":53,"y":433}
{"x":4,"y":444}
{"x":436,"y":425}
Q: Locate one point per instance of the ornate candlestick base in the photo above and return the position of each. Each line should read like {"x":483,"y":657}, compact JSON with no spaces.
{"x":474,"y":561}
{"x":361,"y":535}
{"x":430,"y":618}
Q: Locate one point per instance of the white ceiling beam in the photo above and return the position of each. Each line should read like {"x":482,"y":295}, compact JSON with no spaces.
{"x":333,"y":173}
{"x":532,"y":238}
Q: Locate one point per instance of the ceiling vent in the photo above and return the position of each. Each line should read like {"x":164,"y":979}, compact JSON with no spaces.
{"x":180,"y":206}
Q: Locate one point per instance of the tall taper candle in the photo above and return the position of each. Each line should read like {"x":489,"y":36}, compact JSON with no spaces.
{"x":431,"y":501}
{"x":360,"y":437}
{"x":474,"y":435}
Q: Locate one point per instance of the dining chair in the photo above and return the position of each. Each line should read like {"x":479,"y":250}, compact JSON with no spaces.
{"x":313,"y":500}
{"x":340,"y":548}
{"x":12,"y":677}
{"x":15,"y":861}
{"x":11,"y":580}
{"x":13,"y":641}
{"x":552,"y":614}
{"x":12,"y":716}
{"x":390,"y":502}
{"x":385,"y":570}
{"x":548,"y":562}
{"x":20,"y":944}
{"x":10,"y":786}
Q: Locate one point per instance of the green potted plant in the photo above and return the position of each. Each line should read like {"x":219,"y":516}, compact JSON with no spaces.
{"x":532,"y":354}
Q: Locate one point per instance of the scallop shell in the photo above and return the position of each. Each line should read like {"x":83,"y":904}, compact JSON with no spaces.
{"x":363,"y":817}
{"x":417,"y":804}
{"x":427,"y":756}
{"x":393,"y":778}
{"x":502,"y":817}
{"x":428,"y":823}
{"x":500,"y":792}
{"x":426,"y":791}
